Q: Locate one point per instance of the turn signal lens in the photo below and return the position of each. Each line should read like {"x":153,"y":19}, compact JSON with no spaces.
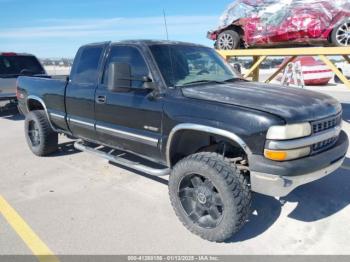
{"x":275,"y":155}
{"x":283,"y":155}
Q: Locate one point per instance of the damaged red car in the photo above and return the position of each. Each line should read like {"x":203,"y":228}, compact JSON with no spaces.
{"x":267,"y":23}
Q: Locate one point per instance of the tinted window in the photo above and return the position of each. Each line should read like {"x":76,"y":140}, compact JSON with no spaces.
{"x":13,"y":65}
{"x":86,"y":71}
{"x":131,"y":56}
{"x":182,"y":65}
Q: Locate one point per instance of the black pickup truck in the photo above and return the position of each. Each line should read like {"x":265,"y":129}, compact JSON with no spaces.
{"x":181,"y":110}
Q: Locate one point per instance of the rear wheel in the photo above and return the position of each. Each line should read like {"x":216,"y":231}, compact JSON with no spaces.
{"x":341,"y":34}
{"x":41,"y":139}
{"x":210,"y":196}
{"x":228,"y":40}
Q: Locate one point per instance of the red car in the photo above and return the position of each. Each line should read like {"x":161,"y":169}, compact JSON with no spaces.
{"x":262,"y":23}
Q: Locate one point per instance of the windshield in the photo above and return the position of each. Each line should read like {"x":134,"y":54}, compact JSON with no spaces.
{"x":182,"y":65}
{"x":14,"y":65}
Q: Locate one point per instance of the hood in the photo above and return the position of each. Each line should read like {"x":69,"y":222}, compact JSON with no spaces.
{"x":292,"y":104}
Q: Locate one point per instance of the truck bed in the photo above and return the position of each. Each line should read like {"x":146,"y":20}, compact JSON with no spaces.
{"x":51,"y":91}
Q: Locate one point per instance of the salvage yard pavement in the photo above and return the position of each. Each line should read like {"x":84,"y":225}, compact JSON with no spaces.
{"x":75,"y":203}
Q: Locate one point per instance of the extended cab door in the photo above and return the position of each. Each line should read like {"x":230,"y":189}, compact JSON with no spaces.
{"x":80,"y":92}
{"x":129,"y":119}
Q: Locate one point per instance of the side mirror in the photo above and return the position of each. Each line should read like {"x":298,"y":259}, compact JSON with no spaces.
{"x":119,"y":76}
{"x":148,"y":83}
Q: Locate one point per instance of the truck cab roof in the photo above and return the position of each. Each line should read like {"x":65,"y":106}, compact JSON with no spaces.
{"x":14,"y":54}
{"x":147,"y":42}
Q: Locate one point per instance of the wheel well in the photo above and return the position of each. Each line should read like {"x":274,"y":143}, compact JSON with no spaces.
{"x":34,"y":104}
{"x":187,"y":142}
{"x":237,"y":29}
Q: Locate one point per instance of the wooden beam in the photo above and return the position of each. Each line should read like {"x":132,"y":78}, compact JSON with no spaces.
{"x":347,"y":58}
{"x":335,"y":70}
{"x":255,"y":67}
{"x":280,"y":69}
{"x":304,"y":51}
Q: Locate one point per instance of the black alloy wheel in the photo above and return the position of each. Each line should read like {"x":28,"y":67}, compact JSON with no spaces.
{"x":201,"y":201}
{"x":34,"y":133}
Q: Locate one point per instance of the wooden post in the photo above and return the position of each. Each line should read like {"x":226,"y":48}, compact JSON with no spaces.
{"x":335,"y":70}
{"x":255,"y":67}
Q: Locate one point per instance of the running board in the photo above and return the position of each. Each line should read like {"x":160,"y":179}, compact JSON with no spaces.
{"x":79,"y":145}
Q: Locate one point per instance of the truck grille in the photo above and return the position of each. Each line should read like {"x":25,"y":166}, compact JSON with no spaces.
{"x":324,"y":145}
{"x":323,"y":125}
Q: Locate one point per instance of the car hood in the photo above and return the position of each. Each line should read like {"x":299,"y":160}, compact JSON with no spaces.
{"x":292,"y":104}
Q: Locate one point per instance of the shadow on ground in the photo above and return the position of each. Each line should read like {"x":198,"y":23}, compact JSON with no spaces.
{"x":154,"y":178}
{"x":322,"y":198}
{"x":10,"y":112}
{"x":315,"y":201}
{"x":65,"y":149}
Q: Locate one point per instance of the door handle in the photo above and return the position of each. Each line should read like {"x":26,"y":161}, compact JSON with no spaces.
{"x":101,"y":99}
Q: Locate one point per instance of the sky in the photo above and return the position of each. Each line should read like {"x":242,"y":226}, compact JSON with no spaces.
{"x":53,"y":29}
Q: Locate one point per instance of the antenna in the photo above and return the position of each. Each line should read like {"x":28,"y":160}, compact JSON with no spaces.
{"x":166,"y":25}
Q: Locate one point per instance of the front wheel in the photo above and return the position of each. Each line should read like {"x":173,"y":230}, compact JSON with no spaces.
{"x":341,"y":34}
{"x":228,"y":40}
{"x":41,"y":139}
{"x":210,"y":196}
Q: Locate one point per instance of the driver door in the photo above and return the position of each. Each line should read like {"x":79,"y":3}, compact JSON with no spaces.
{"x":129,"y":119}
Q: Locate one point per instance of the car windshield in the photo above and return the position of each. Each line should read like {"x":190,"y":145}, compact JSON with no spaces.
{"x":183,"y":65}
{"x":14,"y":65}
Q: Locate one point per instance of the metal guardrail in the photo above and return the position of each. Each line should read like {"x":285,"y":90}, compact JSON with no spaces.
{"x":260,"y":55}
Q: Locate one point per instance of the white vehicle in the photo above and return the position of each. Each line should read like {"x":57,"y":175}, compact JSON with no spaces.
{"x":344,"y":67}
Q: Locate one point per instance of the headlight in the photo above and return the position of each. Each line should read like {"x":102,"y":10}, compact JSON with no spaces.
{"x":283,"y":155}
{"x":289,"y":131}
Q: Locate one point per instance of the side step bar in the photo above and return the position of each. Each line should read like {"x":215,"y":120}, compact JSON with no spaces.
{"x":79,"y":145}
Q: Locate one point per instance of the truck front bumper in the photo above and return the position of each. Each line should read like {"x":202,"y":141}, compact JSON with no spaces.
{"x":280,"y":178}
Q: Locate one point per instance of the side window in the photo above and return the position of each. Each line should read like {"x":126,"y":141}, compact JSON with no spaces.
{"x":132,"y":56}
{"x":86,"y":71}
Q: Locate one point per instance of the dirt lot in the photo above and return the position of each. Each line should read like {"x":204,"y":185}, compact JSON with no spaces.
{"x":75,"y":203}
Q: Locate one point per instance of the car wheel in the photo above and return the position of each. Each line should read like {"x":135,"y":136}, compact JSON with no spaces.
{"x":210,"y":196}
{"x":41,"y":139}
{"x":228,"y":40}
{"x":341,"y":34}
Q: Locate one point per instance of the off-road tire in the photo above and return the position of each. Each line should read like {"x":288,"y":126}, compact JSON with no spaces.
{"x":232,"y":38}
{"x":231,"y":184}
{"x":336,"y":32}
{"x":48,"y":138}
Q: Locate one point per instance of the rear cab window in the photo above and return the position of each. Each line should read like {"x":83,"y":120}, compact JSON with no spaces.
{"x":13,"y":65}
{"x":86,"y":71}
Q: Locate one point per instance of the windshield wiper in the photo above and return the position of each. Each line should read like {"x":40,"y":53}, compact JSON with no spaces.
{"x":202,"y":82}
{"x":234,"y":79}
